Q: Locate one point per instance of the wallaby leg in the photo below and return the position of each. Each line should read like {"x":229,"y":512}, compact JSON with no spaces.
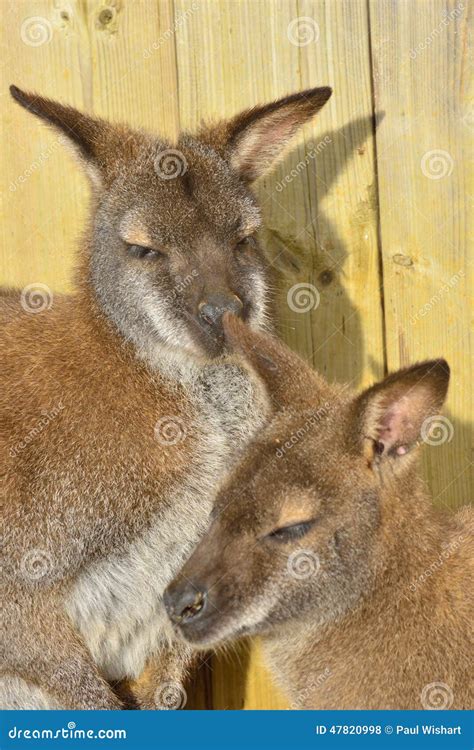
{"x":45,"y":651}
{"x":161,"y":684}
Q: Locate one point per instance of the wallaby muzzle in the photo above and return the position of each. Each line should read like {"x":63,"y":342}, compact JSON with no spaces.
{"x":215,"y":305}
{"x":186,"y":603}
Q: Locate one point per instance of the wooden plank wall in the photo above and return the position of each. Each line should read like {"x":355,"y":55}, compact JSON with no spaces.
{"x":373,"y":221}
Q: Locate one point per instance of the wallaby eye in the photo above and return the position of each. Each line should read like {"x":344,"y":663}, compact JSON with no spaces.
{"x":138,"y":251}
{"x":289,"y":533}
{"x":244,"y":243}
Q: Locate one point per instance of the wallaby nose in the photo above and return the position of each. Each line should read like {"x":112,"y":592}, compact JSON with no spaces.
{"x":184,"y":603}
{"x":215,"y":305}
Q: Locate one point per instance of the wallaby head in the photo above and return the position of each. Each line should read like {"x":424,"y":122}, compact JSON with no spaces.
{"x":306,"y":520}
{"x":172,"y":240}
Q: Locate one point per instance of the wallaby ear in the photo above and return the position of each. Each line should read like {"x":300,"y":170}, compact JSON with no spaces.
{"x":256,"y":138}
{"x":291,"y":383}
{"x":84,"y":133}
{"x":392,"y":414}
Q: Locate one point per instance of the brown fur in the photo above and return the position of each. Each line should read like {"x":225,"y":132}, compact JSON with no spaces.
{"x":83,"y":383}
{"x":71,"y":492}
{"x":367,"y":604}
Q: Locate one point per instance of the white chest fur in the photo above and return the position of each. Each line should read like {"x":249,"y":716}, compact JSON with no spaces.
{"x":117,"y":603}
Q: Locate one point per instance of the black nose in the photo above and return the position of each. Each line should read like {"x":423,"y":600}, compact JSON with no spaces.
{"x":215,"y":305}
{"x":185,"y":602}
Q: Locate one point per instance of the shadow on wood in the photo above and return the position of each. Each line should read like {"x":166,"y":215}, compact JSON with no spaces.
{"x":320,"y":254}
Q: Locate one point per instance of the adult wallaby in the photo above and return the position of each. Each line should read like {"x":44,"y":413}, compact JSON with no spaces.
{"x":119,"y":412}
{"x":325,"y":543}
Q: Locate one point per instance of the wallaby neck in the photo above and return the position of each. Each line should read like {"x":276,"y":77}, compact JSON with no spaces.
{"x":328,"y":657}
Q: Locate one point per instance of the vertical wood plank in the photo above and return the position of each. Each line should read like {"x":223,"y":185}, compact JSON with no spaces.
{"x":133,"y":63}
{"x":333,"y":235}
{"x":424,"y":148}
{"x":43,"y":199}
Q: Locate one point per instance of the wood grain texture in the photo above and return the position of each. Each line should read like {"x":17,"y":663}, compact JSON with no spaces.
{"x":43,"y":198}
{"x":357,"y":215}
{"x":423,"y":83}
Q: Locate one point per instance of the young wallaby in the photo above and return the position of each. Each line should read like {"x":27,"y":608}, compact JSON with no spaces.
{"x":325,"y":543}
{"x":119,"y":412}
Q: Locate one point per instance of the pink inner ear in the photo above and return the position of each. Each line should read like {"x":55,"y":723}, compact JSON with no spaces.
{"x":396,"y":409}
{"x":266,"y":139}
{"x":283,"y":129}
{"x":396,"y":427}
